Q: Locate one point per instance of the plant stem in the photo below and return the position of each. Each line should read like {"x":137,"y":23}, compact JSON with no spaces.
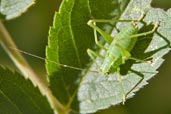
{"x":7,"y":43}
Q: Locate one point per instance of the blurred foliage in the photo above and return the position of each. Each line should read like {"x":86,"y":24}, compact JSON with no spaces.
{"x":30,"y":33}
{"x":20,"y":96}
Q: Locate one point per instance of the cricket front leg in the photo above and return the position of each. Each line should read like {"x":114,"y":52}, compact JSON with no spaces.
{"x":93,"y":54}
{"x":105,"y":35}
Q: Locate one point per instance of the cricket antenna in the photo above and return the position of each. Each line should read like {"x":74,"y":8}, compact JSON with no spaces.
{"x":44,"y":59}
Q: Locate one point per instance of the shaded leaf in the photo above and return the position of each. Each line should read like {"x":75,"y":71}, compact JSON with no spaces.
{"x":13,"y":8}
{"x":19,"y":96}
{"x":99,"y":92}
{"x":69,"y":38}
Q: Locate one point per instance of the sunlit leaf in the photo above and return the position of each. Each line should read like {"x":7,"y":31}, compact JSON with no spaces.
{"x":13,"y":8}
{"x":99,"y":92}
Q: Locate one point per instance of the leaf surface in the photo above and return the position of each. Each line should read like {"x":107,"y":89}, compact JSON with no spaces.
{"x":69,"y":38}
{"x":13,"y":8}
{"x":99,"y":92}
{"x":19,"y":96}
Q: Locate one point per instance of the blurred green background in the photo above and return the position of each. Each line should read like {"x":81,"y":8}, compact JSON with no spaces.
{"x":30,"y":33}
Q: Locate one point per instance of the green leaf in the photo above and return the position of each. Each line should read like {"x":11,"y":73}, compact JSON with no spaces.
{"x":99,"y":92}
{"x":69,"y":38}
{"x":13,"y":8}
{"x":19,"y":96}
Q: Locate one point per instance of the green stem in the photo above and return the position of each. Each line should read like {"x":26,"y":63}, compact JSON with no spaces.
{"x":7,"y":43}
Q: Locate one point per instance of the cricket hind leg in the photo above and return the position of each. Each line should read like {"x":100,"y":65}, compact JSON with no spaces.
{"x":149,"y":59}
{"x":146,"y":33}
{"x":124,"y":94}
{"x":127,"y":56}
{"x":148,"y":55}
{"x":144,"y":60}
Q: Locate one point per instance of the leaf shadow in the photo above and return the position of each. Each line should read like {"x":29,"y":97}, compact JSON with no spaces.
{"x":140,"y":47}
{"x":65,"y":93}
{"x":164,"y":4}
